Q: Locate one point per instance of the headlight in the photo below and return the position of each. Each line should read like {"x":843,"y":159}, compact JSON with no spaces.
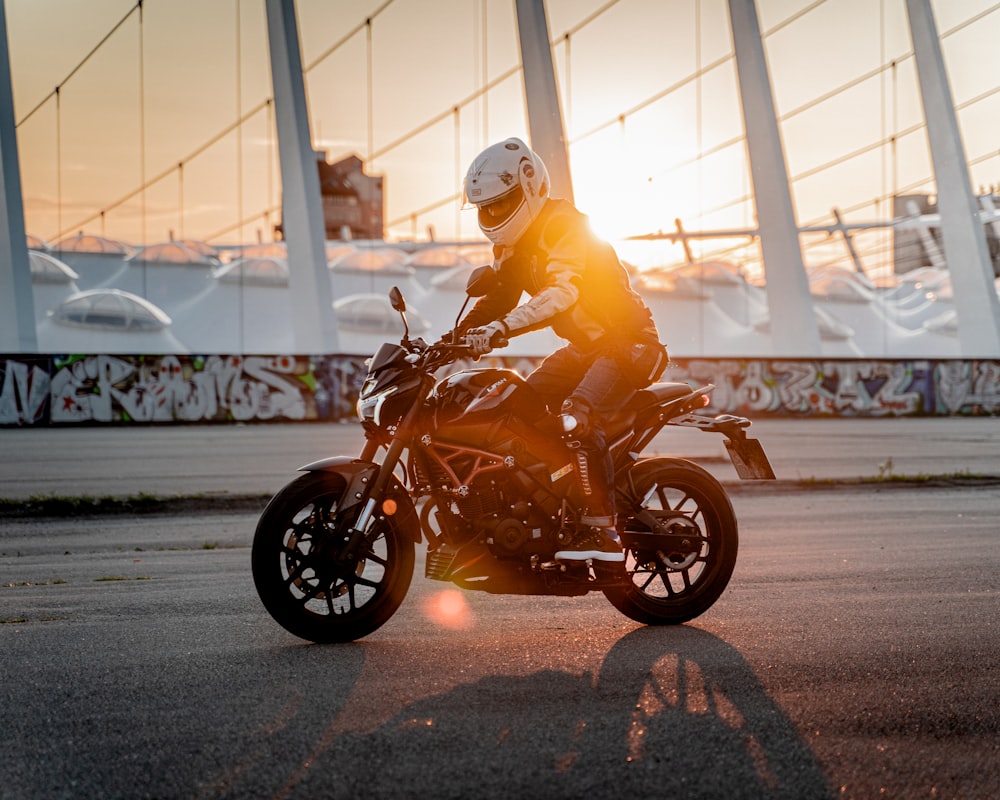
{"x":370,"y":405}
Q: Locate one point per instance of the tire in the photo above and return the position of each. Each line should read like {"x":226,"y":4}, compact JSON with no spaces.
{"x":297,"y":573}
{"x":667,"y":587}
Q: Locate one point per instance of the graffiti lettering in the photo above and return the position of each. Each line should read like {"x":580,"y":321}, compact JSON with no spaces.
{"x":24,"y":391}
{"x":986,"y":393}
{"x":180,"y":389}
{"x":796,"y":382}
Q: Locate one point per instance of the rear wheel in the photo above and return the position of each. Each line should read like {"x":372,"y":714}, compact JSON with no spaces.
{"x":300,"y":573}
{"x":681,"y":552}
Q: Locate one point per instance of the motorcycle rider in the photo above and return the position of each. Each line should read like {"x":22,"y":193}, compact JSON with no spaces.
{"x":543,"y":246}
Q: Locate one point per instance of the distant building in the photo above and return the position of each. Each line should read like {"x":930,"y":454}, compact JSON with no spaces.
{"x":909,"y":252}
{"x":353,"y":202}
{"x":910,"y":245}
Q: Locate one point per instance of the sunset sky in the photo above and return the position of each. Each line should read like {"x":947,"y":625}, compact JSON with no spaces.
{"x":649,"y":92}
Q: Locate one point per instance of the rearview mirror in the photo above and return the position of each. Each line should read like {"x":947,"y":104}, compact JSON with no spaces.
{"x":399,"y":304}
{"x":482,"y":281}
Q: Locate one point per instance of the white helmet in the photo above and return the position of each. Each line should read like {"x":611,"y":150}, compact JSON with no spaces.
{"x":509,"y":185}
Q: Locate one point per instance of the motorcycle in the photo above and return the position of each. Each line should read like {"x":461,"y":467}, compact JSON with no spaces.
{"x":462,"y":463}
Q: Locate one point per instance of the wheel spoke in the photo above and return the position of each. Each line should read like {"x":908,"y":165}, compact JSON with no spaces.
{"x":293,"y":576}
{"x":686,"y":578}
{"x":665,"y":580}
{"x":661,"y":493}
{"x":294,"y":552}
{"x":311,"y":593}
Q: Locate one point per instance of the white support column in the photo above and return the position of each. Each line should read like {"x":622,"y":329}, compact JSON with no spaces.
{"x":545,"y":120}
{"x":313,"y":322}
{"x":793,"y":324}
{"x":961,"y":232}
{"x":17,"y":304}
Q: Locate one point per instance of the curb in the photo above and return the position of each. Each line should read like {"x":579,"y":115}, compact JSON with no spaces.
{"x":65,"y":507}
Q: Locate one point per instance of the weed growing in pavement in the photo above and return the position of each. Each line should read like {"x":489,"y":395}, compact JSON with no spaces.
{"x":888,"y":476}
{"x":54,"y":582}
{"x":143,"y":503}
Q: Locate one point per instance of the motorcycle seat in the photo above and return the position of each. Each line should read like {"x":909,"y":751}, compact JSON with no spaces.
{"x":659,"y":393}
{"x":644,"y":400}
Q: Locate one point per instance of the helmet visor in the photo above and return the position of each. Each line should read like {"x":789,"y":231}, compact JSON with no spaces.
{"x":497,"y":212}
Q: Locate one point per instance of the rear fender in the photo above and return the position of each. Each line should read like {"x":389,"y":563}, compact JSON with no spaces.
{"x":747,"y":455}
{"x":358,"y":475}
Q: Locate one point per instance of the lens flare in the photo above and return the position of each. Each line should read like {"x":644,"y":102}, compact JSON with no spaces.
{"x":448,"y":609}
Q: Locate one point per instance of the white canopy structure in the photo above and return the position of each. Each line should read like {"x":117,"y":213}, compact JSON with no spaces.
{"x":107,"y":321}
{"x":52,"y":282}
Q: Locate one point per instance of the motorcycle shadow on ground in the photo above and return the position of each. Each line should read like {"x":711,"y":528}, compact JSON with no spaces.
{"x":671,"y":712}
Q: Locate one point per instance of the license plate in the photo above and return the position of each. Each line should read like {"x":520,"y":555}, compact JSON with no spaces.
{"x":749,"y":459}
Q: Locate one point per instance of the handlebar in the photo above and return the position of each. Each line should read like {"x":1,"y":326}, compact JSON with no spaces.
{"x":437,"y":354}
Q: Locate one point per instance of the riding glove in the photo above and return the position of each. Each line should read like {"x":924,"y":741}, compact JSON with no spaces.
{"x":481,"y":340}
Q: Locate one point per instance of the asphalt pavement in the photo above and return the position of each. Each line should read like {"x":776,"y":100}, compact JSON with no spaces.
{"x":852,"y":656}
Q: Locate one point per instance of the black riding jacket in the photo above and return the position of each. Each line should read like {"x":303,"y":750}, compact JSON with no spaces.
{"x":576,"y":282}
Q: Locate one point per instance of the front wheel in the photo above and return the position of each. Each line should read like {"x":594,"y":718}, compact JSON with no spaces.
{"x":680,"y":539}
{"x":300,"y":573}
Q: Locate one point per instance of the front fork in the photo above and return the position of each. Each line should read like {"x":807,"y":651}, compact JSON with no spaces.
{"x":376,"y":490}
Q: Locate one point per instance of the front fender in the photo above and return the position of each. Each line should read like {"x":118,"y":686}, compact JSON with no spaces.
{"x":358,"y":476}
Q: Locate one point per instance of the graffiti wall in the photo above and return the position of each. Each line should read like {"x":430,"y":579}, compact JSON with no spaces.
{"x":122,"y":389}
{"x":847,"y":387}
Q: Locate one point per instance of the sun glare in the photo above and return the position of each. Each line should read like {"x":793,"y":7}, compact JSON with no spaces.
{"x":448,"y":609}
{"x":616,"y":209}
{"x":629,"y":195}
{"x":634,"y":186}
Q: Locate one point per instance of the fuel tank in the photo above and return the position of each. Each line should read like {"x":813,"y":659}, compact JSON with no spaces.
{"x":494,"y":409}
{"x":480,"y":396}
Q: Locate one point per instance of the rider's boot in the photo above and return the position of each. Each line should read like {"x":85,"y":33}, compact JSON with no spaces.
{"x":596,"y":539}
